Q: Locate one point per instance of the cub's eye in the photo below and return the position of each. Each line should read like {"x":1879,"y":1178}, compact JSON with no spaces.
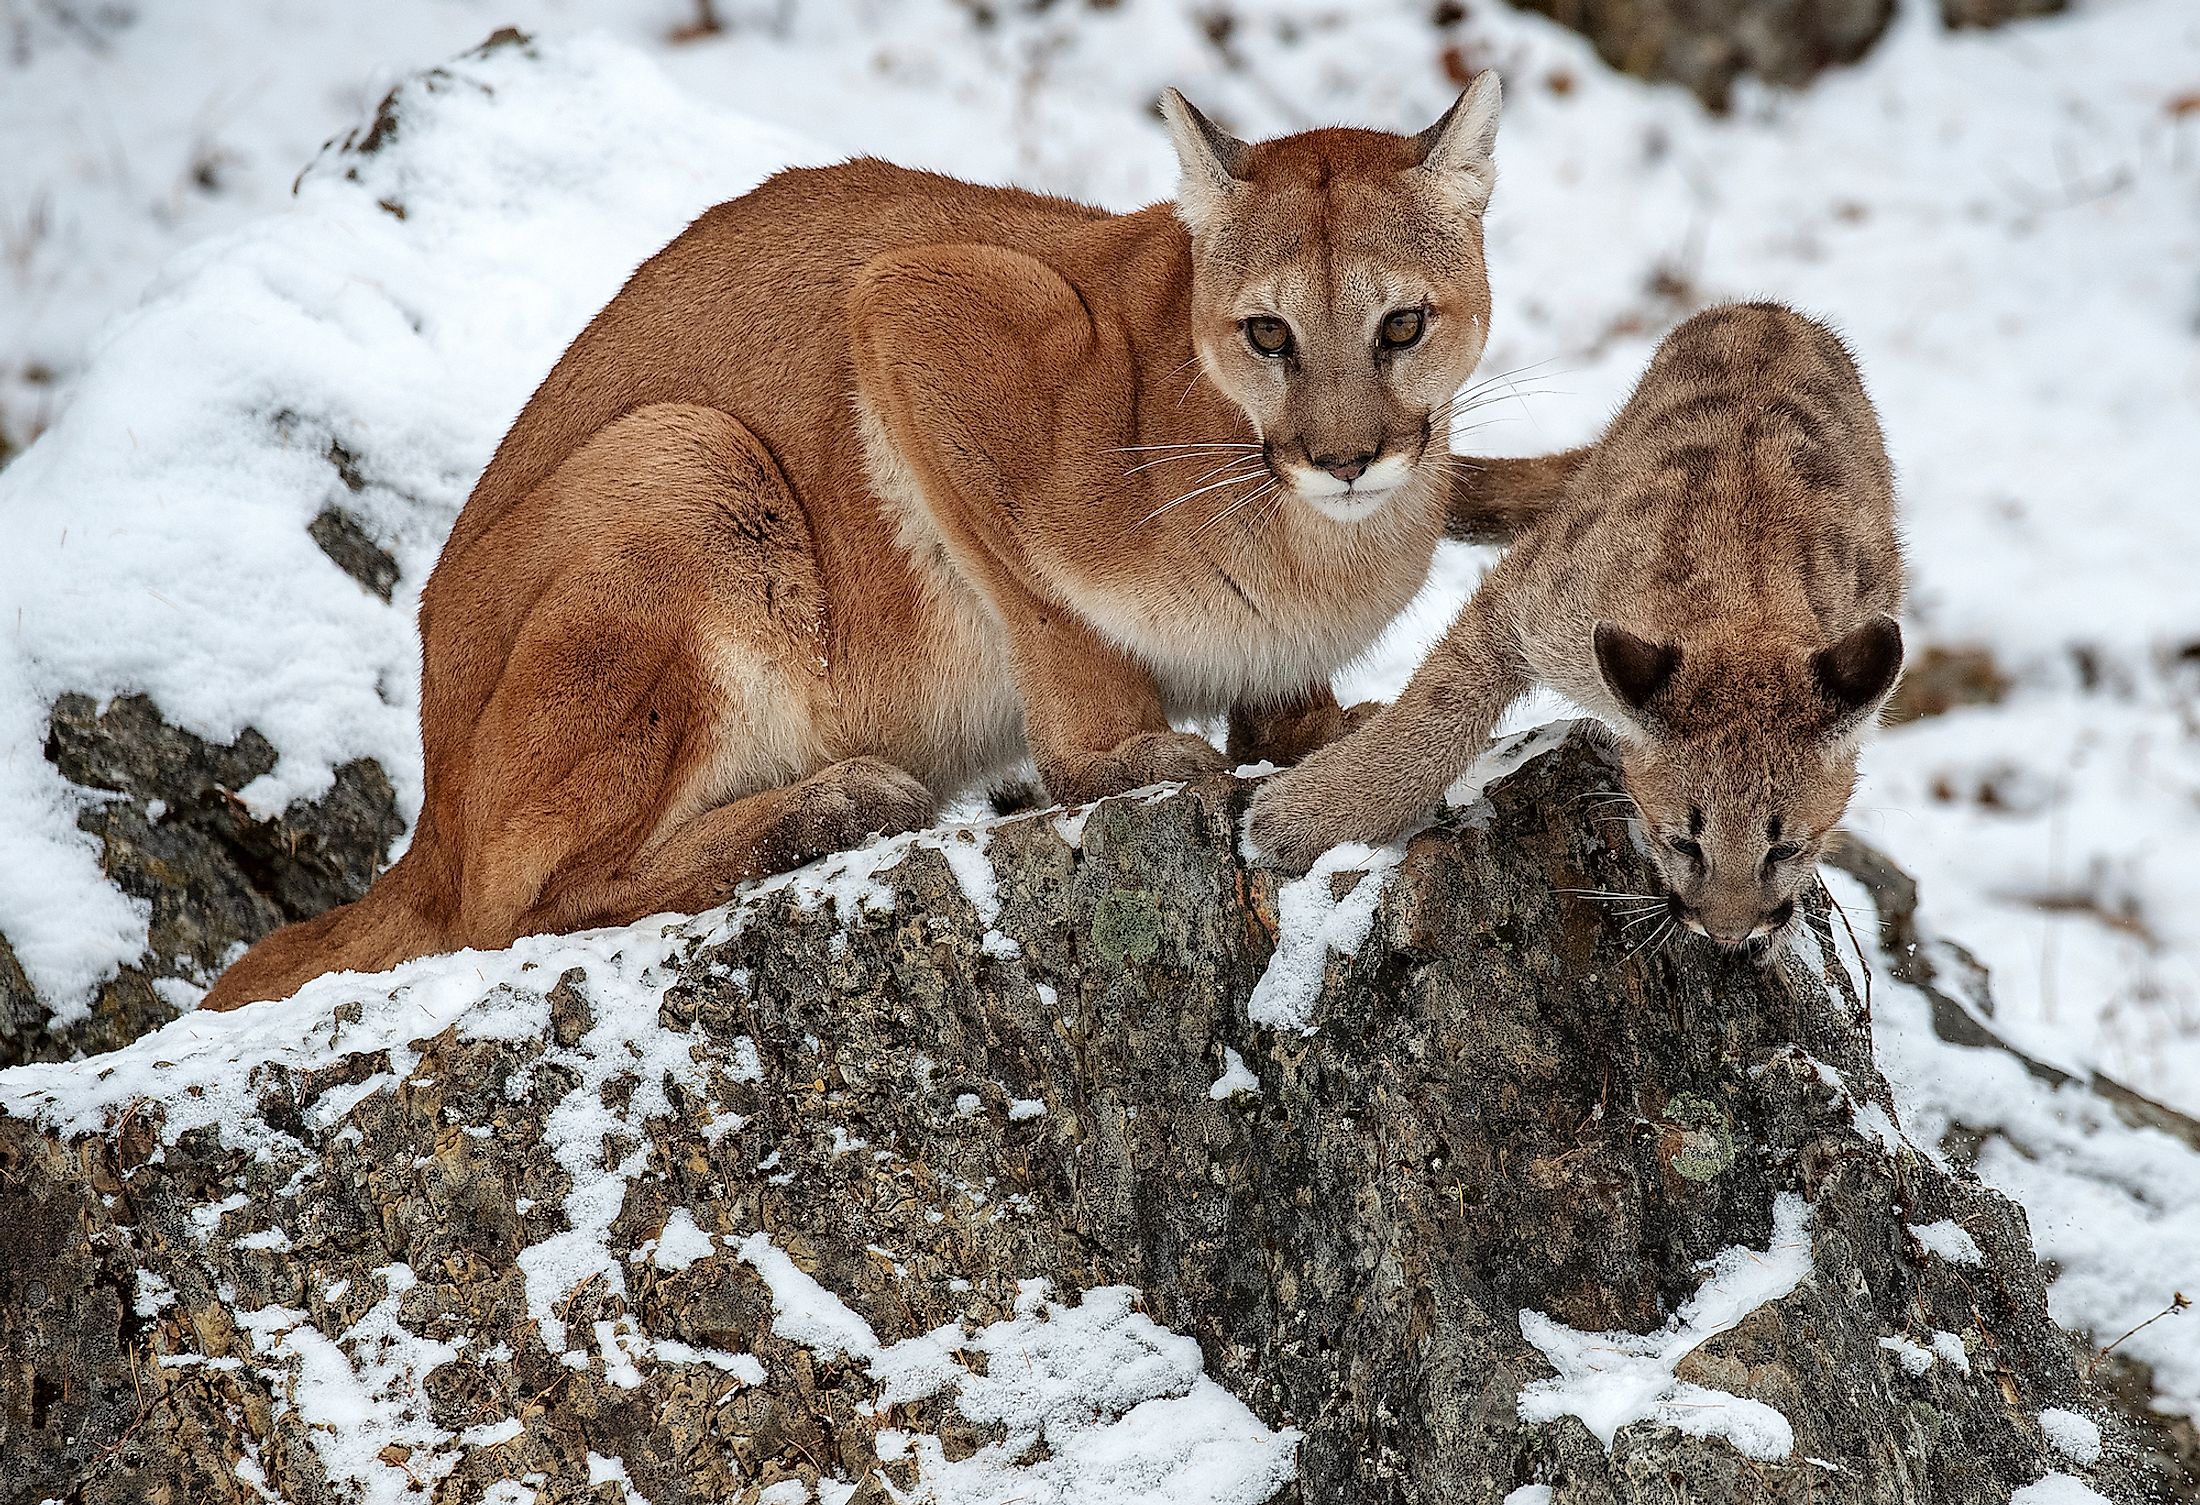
{"x":1786,"y":851}
{"x":1268,"y":336}
{"x":1403,"y":328}
{"x":1687,"y":846}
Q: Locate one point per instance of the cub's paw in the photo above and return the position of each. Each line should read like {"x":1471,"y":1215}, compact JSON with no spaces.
{"x":1295,"y":818}
{"x":1135,"y":762}
{"x":844,"y":806}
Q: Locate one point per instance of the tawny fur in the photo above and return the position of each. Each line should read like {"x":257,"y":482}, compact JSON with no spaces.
{"x":1719,"y":584}
{"x":873,"y":480}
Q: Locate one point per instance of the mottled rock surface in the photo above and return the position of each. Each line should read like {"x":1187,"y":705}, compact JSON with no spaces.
{"x":411,"y":1246}
{"x":163,"y":805}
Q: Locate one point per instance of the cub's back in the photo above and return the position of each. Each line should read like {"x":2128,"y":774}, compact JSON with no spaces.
{"x":1744,"y":485}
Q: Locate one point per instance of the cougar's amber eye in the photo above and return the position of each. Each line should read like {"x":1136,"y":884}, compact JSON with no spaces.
{"x":1268,"y":336}
{"x":1403,"y":328}
{"x":1687,"y":846}
{"x":1786,"y":851}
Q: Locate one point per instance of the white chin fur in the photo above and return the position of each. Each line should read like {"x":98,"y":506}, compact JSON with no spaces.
{"x":1341,"y":506}
{"x":1346,"y":502}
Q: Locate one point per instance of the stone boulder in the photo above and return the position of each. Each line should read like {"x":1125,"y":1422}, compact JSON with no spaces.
{"x":1061,"y":1158}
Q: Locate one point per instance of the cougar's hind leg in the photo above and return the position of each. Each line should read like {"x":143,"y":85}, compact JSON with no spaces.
{"x":657,"y":734}
{"x":698,"y":864}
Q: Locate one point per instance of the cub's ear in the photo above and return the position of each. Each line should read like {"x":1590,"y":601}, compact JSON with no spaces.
{"x":1459,"y":146}
{"x":1858,"y":672}
{"x":1635,"y":669}
{"x":1207,"y":157}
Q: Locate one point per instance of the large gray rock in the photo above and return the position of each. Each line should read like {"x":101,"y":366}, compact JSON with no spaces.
{"x":410,"y":1245}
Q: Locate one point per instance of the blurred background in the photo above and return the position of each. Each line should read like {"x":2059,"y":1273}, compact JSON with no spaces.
{"x":219,"y":222}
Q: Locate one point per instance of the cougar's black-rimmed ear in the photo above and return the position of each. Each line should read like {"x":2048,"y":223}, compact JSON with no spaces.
{"x":1634,"y":668}
{"x":1461,"y":146}
{"x":1858,"y":672}
{"x":1208,"y":159}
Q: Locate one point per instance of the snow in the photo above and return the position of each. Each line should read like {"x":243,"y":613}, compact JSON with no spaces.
{"x":361,"y":1396}
{"x":1313,"y":923}
{"x":803,"y":1311}
{"x":1610,"y":1380}
{"x":2114,"y":1210}
{"x":1950,"y":1350}
{"x":1530,"y":1494}
{"x":2077,"y":1438}
{"x":2059,"y":1489}
{"x":1914,"y":1359}
{"x":1949,"y":1241}
{"x":1236,"y":1077}
{"x":1118,"y":1410}
{"x":680,"y":1244}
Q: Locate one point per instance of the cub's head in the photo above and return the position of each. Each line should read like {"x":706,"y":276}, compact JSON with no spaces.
{"x":1741,"y":766}
{"x":1338,"y":291}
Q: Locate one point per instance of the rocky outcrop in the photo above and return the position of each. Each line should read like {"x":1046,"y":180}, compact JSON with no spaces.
{"x":163,"y":805}
{"x":1458,"y":1185}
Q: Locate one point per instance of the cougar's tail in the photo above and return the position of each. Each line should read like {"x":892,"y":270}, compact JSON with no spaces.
{"x":386,"y":925}
{"x":1492,"y":500}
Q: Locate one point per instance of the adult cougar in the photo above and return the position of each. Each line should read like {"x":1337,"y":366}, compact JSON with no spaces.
{"x":871,"y":479}
{"x":1719,"y":584}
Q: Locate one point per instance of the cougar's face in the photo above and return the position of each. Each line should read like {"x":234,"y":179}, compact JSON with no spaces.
{"x":1339,"y":295}
{"x":1345,"y":355}
{"x":1736,"y":845}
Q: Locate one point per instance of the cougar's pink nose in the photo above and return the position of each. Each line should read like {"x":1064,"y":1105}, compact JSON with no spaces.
{"x":1345,"y":470}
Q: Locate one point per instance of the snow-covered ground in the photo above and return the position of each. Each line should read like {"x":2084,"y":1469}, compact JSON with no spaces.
{"x":2005,"y":224}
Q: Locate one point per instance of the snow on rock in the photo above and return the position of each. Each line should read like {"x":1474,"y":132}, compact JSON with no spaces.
{"x":803,"y":1311}
{"x":2076,"y":1437}
{"x":2114,"y":1209}
{"x":1948,"y":1240}
{"x":1612,"y":1379}
{"x":1914,"y":1358}
{"x":1115,"y":1409}
{"x":1236,"y":1077}
{"x":680,"y":1244}
{"x":2059,"y":1489}
{"x":1315,"y":922}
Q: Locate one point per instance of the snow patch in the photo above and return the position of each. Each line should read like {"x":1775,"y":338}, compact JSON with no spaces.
{"x":680,"y":1244}
{"x":1913,"y":1358}
{"x":2076,"y":1437}
{"x":1116,"y":1409}
{"x":1313,"y":923}
{"x":1236,"y":1077}
{"x":1949,"y":1240}
{"x":1611,"y":1379}
{"x":2059,"y":1489}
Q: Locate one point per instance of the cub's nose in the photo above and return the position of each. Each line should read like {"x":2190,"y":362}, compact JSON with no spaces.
{"x":1722,"y":932}
{"x":1346,"y":470}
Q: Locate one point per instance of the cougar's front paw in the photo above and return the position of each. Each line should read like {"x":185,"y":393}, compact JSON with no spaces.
{"x":1290,"y":733}
{"x":1148,"y":758}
